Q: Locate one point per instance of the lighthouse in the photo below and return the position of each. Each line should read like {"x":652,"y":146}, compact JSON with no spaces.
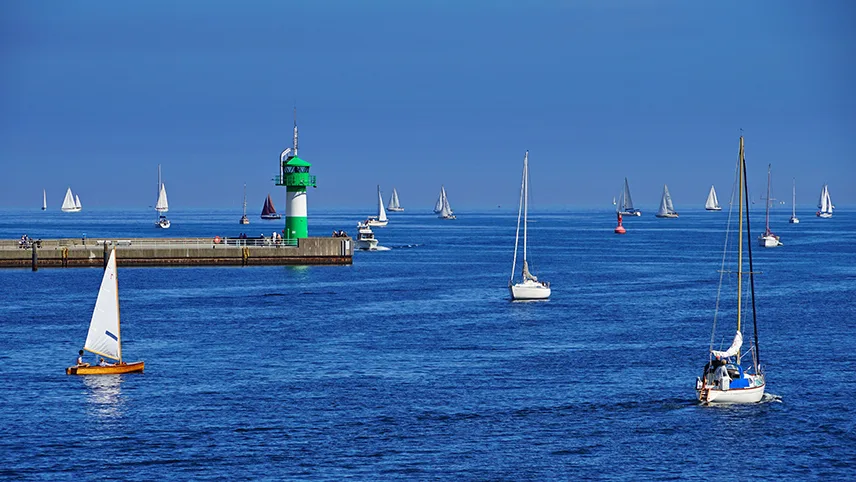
{"x":294,"y":175}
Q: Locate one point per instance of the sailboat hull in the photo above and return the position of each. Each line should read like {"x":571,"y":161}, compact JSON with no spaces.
{"x":631,"y":213}
{"x":395,"y":210}
{"x":667,"y":215}
{"x":713,"y":209}
{"x":529,"y":290}
{"x":769,"y":241}
{"x":118,"y":369}
{"x":794,"y":220}
{"x":376,"y":224}
{"x":713,"y":395}
{"x":824,"y":215}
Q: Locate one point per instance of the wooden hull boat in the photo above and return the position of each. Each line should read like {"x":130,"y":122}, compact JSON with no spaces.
{"x":117,"y":369}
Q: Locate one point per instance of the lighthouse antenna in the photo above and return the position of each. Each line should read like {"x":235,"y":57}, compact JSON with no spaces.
{"x":295,"y":131}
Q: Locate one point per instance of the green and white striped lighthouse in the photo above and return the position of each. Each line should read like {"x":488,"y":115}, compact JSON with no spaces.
{"x":294,"y":175}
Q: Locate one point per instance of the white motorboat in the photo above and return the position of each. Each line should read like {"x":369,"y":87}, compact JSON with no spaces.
{"x":380,"y":220}
{"x":725,"y":379}
{"x":365,"y":237}
{"x":529,"y":288}
{"x":768,"y":239}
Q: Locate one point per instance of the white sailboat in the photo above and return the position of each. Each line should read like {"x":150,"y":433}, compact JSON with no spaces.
{"x":244,"y":218}
{"x":77,"y":202}
{"x":794,"y":219}
{"x":394,"y":205}
{"x":825,"y":203}
{"x":105,"y":337}
{"x":380,"y":220}
{"x":162,"y":205}
{"x":44,"y":200}
{"x":667,"y":210}
{"x":445,"y":208}
{"x":438,"y":206}
{"x":625,"y":202}
{"x":69,"y":205}
{"x":725,"y":380}
{"x":529,"y":288}
{"x":768,"y":239}
{"x":712,"y":203}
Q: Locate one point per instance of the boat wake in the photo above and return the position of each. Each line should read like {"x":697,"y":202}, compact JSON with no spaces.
{"x":771,"y":398}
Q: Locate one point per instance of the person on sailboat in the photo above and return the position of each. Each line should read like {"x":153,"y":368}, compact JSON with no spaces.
{"x":720,"y":376}
{"x":80,"y":361}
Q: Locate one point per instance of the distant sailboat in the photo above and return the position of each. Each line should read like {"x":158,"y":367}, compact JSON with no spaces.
{"x":69,"y":205}
{"x":394,"y":205}
{"x":105,"y":337}
{"x":44,"y":200}
{"x":768,"y":239}
{"x":380,"y":220}
{"x":162,"y":205}
{"x":712,"y":203}
{"x":244,"y":218}
{"x":825,"y":203}
{"x":77,"y":202}
{"x":268,"y":211}
{"x":529,"y":288}
{"x":613,"y":201}
{"x":667,"y":210}
{"x":445,"y":208}
{"x":438,"y":206}
{"x":794,"y":219}
{"x":625,"y":202}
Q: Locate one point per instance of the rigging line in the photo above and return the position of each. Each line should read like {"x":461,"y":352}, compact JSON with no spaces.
{"x":756,"y":357}
{"x":734,"y":188}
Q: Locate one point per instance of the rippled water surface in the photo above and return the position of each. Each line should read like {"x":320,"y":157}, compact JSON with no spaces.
{"x":413,"y":363}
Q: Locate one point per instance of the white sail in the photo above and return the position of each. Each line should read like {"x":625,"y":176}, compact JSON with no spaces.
{"x":825,"y":202}
{"x":628,"y":202}
{"x":104,"y":338}
{"x":77,"y":202}
{"x":44,"y":199}
{"x":393,"y":201}
{"x":162,"y":205}
{"x":666,"y":206}
{"x":733,"y":349}
{"x":529,"y":288}
{"x":712,"y":201}
{"x":68,"y":202}
{"x":438,"y":206}
{"x":381,"y":212}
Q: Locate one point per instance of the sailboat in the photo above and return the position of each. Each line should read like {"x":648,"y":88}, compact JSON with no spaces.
{"x":244,"y":218}
{"x":162,"y":205}
{"x":380,"y":220}
{"x":529,"y":288}
{"x":712,"y":203}
{"x":268,"y":211}
{"x":394,"y":205}
{"x":445,"y":209}
{"x":44,"y":200}
{"x":438,"y":206}
{"x":613,"y":201}
{"x":104,"y":336}
{"x":725,"y":380}
{"x":768,"y":239}
{"x":625,"y":203}
{"x":667,"y":210}
{"x":794,"y":219}
{"x":825,"y":203}
{"x":69,"y":205}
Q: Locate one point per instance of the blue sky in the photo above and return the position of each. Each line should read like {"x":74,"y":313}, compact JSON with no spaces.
{"x":418,"y":94}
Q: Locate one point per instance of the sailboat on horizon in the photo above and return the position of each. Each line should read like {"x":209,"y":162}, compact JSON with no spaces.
{"x":105,"y":337}
{"x":825,"y":203}
{"x":71,"y":203}
{"x":44,"y":200}
{"x":768,"y":239}
{"x":244,"y":218}
{"x":445,"y":211}
{"x":712,"y":203}
{"x":724,"y":379}
{"x":529,"y":288}
{"x":625,"y":202}
{"x":162,"y":205}
{"x":794,"y":219}
{"x":394,"y":205}
{"x":268,"y":211}
{"x":380,"y":220}
{"x":667,"y":210}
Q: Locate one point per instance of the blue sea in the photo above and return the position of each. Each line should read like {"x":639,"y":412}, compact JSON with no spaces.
{"x":412,"y":363}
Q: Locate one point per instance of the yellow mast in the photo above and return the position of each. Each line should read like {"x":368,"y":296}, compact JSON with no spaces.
{"x":740,"y":242}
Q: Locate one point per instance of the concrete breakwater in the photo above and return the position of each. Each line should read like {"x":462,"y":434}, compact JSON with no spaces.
{"x":68,"y":253}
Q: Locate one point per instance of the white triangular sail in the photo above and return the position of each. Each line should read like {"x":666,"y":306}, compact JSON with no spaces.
{"x":162,"y":205}
{"x":628,"y":201}
{"x":712,"y":201}
{"x":825,"y":202}
{"x":77,"y":202}
{"x":666,"y":206}
{"x":381,"y":212}
{"x":445,"y":207}
{"x":68,"y":202}
{"x":393,"y":201}
{"x":104,"y":338}
{"x":733,"y":349}
{"x":44,"y":199}
{"x":438,"y":206}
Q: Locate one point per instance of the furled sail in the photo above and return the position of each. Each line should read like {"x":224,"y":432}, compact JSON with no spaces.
{"x":526,"y":274}
{"x":712,"y":201}
{"x":162,"y":205}
{"x":733,"y":349}
{"x":104,"y":337}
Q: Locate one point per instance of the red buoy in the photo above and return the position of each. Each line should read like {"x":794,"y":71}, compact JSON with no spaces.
{"x":620,"y":229}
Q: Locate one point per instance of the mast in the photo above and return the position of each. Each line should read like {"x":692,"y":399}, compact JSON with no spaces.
{"x":295,"y":131}
{"x":794,"y":201}
{"x":757,"y":358}
{"x":157,"y":196}
{"x":767,"y":216}
{"x":118,"y":312}
{"x":525,"y":203}
{"x":742,"y":186}
{"x":245,"y":199}
{"x":519,"y":211}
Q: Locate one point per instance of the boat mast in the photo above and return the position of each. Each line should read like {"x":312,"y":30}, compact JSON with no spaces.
{"x":245,"y":199}
{"x":742,"y":186}
{"x":157,"y":196}
{"x":519,"y":212}
{"x":767,"y":216}
{"x":525,"y":204}
{"x":118,"y":315}
{"x":757,"y":358}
